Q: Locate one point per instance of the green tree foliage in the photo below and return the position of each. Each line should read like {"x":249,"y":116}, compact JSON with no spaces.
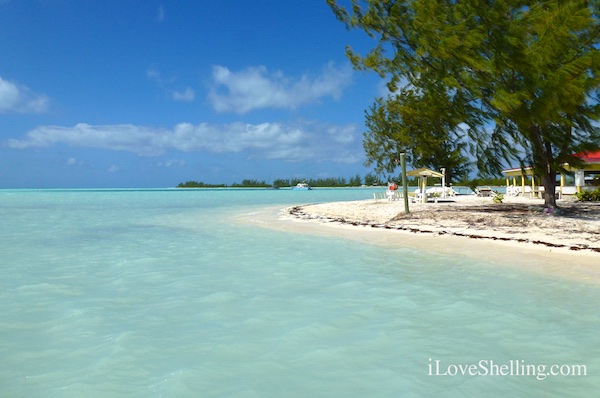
{"x":281,"y":183}
{"x":250,"y":184}
{"x":522,"y":74}
{"x":324,"y":182}
{"x":422,"y":126}
{"x":355,"y":181}
{"x":199,"y":184}
{"x":372,"y":179}
{"x":319,"y":182}
{"x":369,"y":180}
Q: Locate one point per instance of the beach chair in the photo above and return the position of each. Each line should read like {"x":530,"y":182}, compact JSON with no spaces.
{"x":483,"y":191}
{"x":418,"y":197}
{"x":393,"y":195}
{"x":379,"y":195}
{"x":512,"y":190}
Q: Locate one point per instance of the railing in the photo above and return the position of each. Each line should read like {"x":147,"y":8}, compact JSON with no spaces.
{"x":388,"y":195}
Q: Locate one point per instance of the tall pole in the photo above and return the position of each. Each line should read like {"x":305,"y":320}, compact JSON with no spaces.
{"x":443,"y":170}
{"x":404,"y":182}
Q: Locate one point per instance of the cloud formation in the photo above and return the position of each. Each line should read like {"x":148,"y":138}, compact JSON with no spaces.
{"x":187,"y":95}
{"x":72,"y":162}
{"x":303,"y":141}
{"x":167,"y":83}
{"x":257,"y":88}
{"x":140,"y":140}
{"x":18,"y":98}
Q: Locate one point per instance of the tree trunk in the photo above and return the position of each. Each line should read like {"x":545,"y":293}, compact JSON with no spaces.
{"x":549,"y":184}
{"x":542,"y":158}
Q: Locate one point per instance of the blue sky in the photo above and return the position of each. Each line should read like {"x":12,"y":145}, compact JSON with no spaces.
{"x":144,"y":93}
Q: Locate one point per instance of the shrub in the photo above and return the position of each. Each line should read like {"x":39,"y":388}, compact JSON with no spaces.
{"x":588,"y":196}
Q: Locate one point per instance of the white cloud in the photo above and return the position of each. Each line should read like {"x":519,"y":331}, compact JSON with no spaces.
{"x":9,"y":94}
{"x":187,"y":95}
{"x":302,"y":141}
{"x":166,"y":83}
{"x":141,"y":140}
{"x":71,"y":162}
{"x":236,"y":137}
{"x":257,"y":88}
{"x":113,"y":169}
{"x":342,"y":134}
{"x":20,"y":99}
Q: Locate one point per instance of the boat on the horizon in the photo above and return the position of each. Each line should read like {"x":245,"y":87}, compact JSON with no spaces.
{"x":301,"y":186}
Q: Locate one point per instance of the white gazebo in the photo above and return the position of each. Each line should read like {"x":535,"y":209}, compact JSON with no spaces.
{"x":423,"y":173}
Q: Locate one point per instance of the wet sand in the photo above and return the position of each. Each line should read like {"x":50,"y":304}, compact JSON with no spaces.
{"x":516,"y":233}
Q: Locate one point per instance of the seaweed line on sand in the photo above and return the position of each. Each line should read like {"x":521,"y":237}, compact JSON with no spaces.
{"x":396,"y":224}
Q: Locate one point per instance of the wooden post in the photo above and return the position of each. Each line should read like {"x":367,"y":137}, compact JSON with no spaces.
{"x":562,"y":183}
{"x":443,"y":170}
{"x":404,"y":182}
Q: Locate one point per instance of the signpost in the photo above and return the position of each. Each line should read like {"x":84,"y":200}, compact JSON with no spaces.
{"x":404,"y":182}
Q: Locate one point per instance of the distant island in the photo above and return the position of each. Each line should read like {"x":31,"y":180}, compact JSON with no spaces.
{"x":356,"y":181}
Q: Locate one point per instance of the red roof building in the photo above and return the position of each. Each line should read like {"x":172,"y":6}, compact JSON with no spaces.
{"x":587,"y":177}
{"x":590,"y":157}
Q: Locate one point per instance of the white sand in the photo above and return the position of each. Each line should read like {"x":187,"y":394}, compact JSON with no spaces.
{"x":519,"y":220}
{"x":512,"y":234}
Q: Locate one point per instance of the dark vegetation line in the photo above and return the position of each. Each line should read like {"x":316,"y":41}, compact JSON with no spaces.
{"x":356,"y":181}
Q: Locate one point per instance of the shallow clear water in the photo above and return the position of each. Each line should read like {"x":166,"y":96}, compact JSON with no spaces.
{"x":160,"y":293}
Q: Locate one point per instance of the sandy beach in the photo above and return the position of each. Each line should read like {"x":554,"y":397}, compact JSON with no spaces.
{"x":517,"y":220}
{"x":516,"y":233}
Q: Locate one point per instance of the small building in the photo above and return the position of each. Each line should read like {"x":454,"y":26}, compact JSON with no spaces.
{"x":523,"y":181}
{"x":423,"y":173}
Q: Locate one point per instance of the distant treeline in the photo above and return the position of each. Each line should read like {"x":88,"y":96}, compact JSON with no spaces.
{"x":199,"y":184}
{"x":355,"y":181}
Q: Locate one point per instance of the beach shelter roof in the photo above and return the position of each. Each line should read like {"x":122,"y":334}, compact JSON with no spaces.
{"x":424,"y":172}
{"x":518,"y":172}
{"x":589,"y":157}
{"x":592,"y":160}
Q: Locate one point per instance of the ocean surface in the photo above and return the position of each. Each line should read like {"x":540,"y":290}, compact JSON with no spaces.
{"x":162,"y":293}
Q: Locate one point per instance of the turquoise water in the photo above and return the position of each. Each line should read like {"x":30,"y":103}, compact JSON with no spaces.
{"x":161,"y":293}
